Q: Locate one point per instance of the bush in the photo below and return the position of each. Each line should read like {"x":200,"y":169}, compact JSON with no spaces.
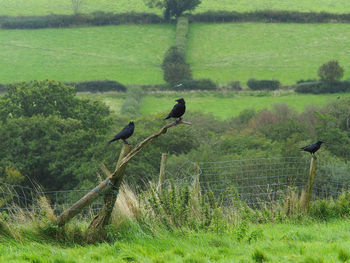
{"x":176,"y":73}
{"x":331,"y":71}
{"x":263,"y":84}
{"x":175,"y":69}
{"x":98,"y":86}
{"x":276,"y":16}
{"x":308,"y":87}
{"x":318,"y":87}
{"x":94,"y":19}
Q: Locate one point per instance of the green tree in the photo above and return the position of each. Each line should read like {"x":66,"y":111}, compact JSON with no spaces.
{"x":51,"y":136}
{"x":330,"y":71}
{"x":173,"y":8}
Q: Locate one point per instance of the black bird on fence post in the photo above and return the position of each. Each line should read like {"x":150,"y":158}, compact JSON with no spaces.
{"x":125,"y":133}
{"x":178,"y":110}
{"x":312,"y":148}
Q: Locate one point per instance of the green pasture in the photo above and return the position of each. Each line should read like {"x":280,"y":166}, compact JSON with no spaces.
{"x":229,"y":106}
{"x":314,"y":242}
{"x":127,"y":53}
{"x":43,"y":7}
{"x":286,"y":52}
{"x":223,"y":106}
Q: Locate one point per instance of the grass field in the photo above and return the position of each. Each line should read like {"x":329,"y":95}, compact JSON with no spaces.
{"x":132,"y":54}
{"x":221,"y":106}
{"x":315,"y":242}
{"x":286,"y":52}
{"x":127,"y":53}
{"x":42,"y":7}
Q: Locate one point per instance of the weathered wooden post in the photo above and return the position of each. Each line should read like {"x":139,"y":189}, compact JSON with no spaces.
{"x":117,"y":175}
{"x":310,"y":183}
{"x":162,"y":171}
{"x":196,"y":186}
{"x":96,"y":227}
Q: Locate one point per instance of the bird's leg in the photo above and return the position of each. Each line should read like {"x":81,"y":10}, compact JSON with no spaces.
{"x":126,"y":142}
{"x":179,"y":120}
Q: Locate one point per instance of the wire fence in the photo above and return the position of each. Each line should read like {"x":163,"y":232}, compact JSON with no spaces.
{"x":261,"y":181}
{"x":256,"y":181}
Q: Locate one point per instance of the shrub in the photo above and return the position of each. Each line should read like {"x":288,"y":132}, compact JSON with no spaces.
{"x":176,"y":72}
{"x":308,"y":87}
{"x":276,"y":16}
{"x":330,"y":71}
{"x":94,"y":19}
{"x":318,"y":87}
{"x":175,"y":69}
{"x":98,"y":86}
{"x":173,"y":55}
{"x":263,"y":84}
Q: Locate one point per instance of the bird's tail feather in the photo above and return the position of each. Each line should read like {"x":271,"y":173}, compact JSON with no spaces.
{"x":167,"y":118}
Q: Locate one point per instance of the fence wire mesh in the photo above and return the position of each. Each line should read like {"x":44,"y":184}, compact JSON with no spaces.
{"x":256,"y":181}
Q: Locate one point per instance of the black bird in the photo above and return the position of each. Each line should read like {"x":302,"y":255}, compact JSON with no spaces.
{"x":312,"y":148}
{"x":178,"y":110}
{"x":125,"y":133}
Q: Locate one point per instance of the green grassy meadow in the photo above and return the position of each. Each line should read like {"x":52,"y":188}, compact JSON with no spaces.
{"x":132,"y":54}
{"x":314,"y":242}
{"x":42,"y":7}
{"x":223,"y":106}
{"x":127,"y":53}
{"x":286,"y":52}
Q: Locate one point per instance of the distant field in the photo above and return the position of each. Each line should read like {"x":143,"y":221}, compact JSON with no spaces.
{"x":221,"y":106}
{"x":42,"y":7}
{"x":287,"y":52}
{"x":127,"y":53}
{"x":313,"y":242}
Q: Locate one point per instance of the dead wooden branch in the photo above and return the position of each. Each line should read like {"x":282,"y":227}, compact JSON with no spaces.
{"x":107,"y":185}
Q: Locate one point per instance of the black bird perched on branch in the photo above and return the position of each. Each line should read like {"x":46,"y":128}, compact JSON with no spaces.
{"x":125,"y":133}
{"x":312,"y":148}
{"x":178,"y":110}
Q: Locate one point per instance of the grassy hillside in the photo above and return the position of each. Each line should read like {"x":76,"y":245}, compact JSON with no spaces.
{"x":42,"y":7}
{"x":287,"y":52}
{"x":127,"y":53}
{"x":316,"y":242}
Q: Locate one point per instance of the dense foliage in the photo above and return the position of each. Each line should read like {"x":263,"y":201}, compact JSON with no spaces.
{"x":330,"y":71}
{"x":49,"y":135}
{"x":175,"y":68}
{"x":98,"y":86}
{"x":254,"y":84}
{"x":173,"y":8}
{"x":94,"y":19}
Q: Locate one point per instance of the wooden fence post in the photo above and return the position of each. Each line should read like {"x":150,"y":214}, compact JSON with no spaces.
{"x":96,"y":227}
{"x":196,"y":186}
{"x":162,"y":171}
{"x":310,"y":183}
